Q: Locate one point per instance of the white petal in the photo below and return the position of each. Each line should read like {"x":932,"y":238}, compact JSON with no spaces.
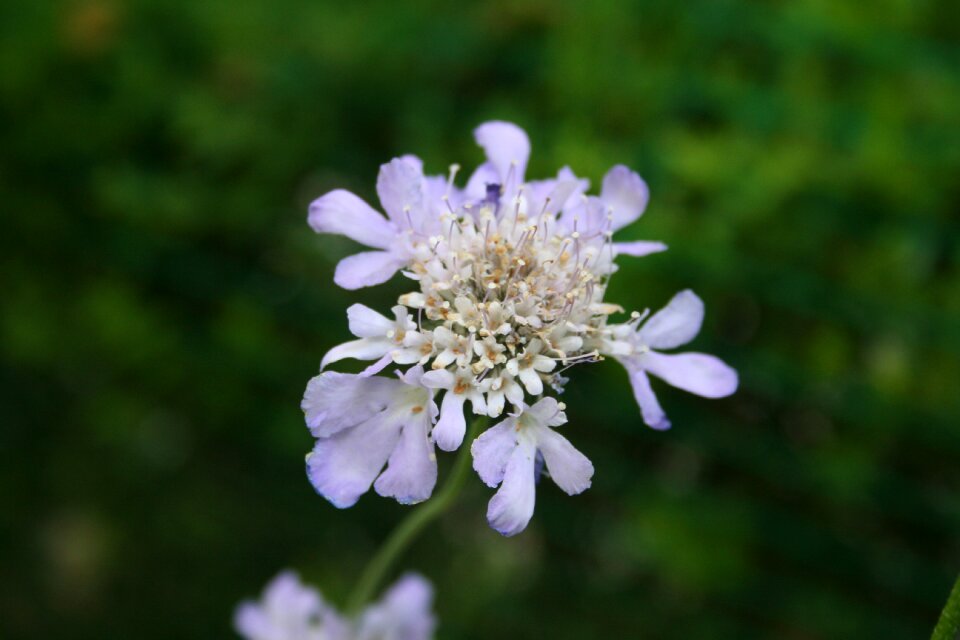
{"x":514,"y":394}
{"x":569,"y":468}
{"x":532,"y":381}
{"x":444,"y":358}
{"x":439,"y":379}
{"x":362,"y":349}
{"x":698,"y":373}
{"x":344,"y":213}
{"x":477,"y":402}
{"x":676,"y":324}
{"x":495,"y":403}
{"x":544,"y":364}
{"x":366,"y":323}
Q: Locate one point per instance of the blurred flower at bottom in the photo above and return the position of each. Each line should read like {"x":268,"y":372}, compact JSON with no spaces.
{"x":291,"y":610}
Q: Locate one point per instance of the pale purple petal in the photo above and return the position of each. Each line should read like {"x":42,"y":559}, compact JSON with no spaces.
{"x":653,"y":415}
{"x":547,"y":411}
{"x":399,"y":186}
{"x":343,"y":466}
{"x":638,"y":248}
{"x":414,"y":161}
{"x":567,"y":174}
{"x":329,"y":392}
{"x":288,"y":609}
{"x":363,"y":349}
{"x":366,"y":323}
{"x":411,"y":471}
{"x":377,"y":366}
{"x":558,"y":191}
{"x":434,"y":190}
{"x":569,"y":468}
{"x":410,"y":601}
{"x":344,"y":213}
{"x":485,"y":174}
{"x":587,"y":216}
{"x":506,"y":146}
{"x":414,"y":378}
{"x":698,"y":373}
{"x":625,"y":193}
{"x":511,"y":508}
{"x":412,"y":592}
{"x":450,"y":429}
{"x":491,"y":451}
{"x":404,"y":613}
{"x":537,"y":191}
{"x":367,"y":269}
{"x":561,"y":193}
{"x":676,"y":324}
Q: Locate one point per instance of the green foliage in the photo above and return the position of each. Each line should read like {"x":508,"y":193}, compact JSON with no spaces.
{"x":164,"y":303}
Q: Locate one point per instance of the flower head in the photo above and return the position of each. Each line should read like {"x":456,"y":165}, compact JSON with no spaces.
{"x":291,"y":610}
{"x":510,"y":278}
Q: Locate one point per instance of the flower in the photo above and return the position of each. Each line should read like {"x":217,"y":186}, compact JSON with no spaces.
{"x":291,"y":610}
{"x":363,"y":423}
{"x":288,"y":610}
{"x":509,"y":281}
{"x":402,"y":614}
{"x":506,"y":455}
{"x":674,"y":325}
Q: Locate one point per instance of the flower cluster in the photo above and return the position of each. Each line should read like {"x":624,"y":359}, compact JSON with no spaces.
{"x":290,"y":610}
{"x":510,"y":277}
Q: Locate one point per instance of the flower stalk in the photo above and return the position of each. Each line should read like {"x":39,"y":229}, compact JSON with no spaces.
{"x":411,"y":526}
{"x":948,"y":627}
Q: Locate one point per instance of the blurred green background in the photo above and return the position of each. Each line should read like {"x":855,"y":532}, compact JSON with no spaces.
{"x":163,"y":304}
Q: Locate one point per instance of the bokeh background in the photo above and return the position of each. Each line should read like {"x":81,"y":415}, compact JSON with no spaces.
{"x":163,"y":303}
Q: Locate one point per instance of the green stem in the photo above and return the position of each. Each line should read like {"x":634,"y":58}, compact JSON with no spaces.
{"x":411,"y":526}
{"x":948,"y":628}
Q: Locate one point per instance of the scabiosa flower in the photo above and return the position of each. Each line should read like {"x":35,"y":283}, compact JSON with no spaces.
{"x":510,"y":282}
{"x":291,"y":610}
